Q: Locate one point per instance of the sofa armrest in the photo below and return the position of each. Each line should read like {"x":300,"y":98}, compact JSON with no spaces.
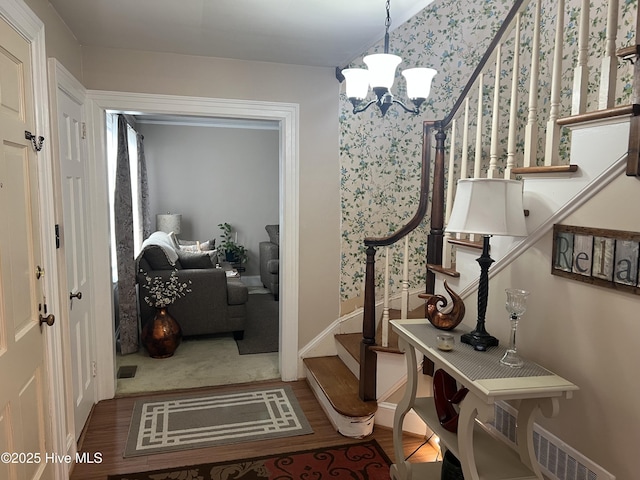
{"x":237,"y":292}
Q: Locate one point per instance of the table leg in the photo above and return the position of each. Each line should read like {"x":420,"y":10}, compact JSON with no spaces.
{"x":402,"y":469}
{"x":524,"y":434}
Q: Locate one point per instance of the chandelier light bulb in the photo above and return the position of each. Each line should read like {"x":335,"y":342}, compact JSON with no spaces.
{"x":419,"y":82}
{"x":357,"y":82}
{"x":382,"y":69}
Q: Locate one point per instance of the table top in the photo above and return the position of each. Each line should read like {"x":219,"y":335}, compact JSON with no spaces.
{"x":482,"y":371}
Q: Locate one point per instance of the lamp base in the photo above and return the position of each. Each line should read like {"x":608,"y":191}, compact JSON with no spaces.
{"x":479,"y":340}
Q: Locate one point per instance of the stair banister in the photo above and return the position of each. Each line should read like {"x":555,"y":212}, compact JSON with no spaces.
{"x":507,"y":24}
{"x":367,"y":386}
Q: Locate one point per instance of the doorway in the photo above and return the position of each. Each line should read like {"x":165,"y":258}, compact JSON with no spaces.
{"x":286,"y":115}
{"x":205,"y":171}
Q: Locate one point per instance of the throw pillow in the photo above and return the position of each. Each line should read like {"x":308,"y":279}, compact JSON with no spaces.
{"x":195,"y":259}
{"x":174,"y":239}
{"x":189,"y":248}
{"x":208,"y":245}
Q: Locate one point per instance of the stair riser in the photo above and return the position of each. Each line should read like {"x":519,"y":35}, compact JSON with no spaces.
{"x":346,"y":357}
{"x":352,"y":427}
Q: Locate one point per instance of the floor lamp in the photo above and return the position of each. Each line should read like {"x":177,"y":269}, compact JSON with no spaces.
{"x":486,"y":206}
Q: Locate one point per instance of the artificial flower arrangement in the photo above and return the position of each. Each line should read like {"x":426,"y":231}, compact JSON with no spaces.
{"x":163,"y":293}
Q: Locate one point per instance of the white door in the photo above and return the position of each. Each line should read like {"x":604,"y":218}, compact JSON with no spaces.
{"x":24,"y":418}
{"x":74,"y":234}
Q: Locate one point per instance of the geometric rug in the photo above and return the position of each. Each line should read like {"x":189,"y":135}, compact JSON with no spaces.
{"x":355,"y":461}
{"x":187,"y":422}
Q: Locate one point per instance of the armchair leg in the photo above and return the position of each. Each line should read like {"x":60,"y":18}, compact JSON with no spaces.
{"x":238,"y":335}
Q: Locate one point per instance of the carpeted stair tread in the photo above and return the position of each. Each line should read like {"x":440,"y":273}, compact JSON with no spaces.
{"x":340,"y":386}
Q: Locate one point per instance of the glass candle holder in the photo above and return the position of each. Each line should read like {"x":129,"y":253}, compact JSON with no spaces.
{"x":516,"y":305}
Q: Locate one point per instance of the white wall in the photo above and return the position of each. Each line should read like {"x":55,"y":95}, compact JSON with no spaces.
{"x":315,"y":90}
{"x":212,"y":175}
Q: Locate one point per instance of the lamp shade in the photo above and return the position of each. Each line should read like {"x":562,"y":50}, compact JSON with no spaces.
{"x":419,"y":81}
{"x":357,"y":82}
{"x":488,"y":206}
{"x":169,"y":222}
{"x":382,"y":69}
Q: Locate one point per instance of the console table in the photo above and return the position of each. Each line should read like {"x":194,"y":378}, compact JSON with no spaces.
{"x":482,"y":455}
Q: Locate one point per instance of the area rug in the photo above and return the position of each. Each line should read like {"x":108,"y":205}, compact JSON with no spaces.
{"x":187,"y":422}
{"x":356,"y":461}
{"x":261,"y":331}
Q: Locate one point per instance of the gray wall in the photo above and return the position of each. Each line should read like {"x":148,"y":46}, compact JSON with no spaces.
{"x":212,"y":175}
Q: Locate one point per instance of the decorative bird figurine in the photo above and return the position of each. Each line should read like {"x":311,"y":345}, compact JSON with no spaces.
{"x":445,"y":321}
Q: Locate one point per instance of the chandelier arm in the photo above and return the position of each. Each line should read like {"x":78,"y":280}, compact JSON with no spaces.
{"x":407,"y":109}
{"x":359,"y":109}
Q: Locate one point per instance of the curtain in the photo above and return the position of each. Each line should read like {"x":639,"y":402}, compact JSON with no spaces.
{"x":123,"y":214}
{"x":143,"y":188}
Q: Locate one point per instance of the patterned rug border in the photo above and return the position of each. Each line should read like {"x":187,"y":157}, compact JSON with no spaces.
{"x":165,"y":473}
{"x":133,"y":435}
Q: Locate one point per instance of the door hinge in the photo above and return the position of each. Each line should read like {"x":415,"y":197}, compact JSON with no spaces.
{"x":84,"y":130}
{"x":57,"y":230}
{"x":94,"y":368}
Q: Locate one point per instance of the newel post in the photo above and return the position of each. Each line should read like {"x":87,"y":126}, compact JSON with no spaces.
{"x":367,"y":356}
{"x":436,"y":234}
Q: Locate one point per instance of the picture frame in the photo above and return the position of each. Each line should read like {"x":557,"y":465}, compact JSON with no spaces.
{"x":606,"y":258}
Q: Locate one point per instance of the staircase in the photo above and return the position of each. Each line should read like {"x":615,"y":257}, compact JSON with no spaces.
{"x":564,"y":148}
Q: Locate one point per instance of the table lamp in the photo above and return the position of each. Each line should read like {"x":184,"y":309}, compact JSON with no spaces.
{"x":486,"y":206}
{"x":169,"y":222}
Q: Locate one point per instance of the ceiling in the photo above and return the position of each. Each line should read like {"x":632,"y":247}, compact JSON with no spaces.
{"x":326,"y":33}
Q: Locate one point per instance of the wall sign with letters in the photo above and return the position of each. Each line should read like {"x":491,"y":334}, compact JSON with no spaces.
{"x":608,"y":258}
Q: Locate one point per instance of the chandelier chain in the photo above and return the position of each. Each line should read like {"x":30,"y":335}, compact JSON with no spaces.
{"x":387,"y":22}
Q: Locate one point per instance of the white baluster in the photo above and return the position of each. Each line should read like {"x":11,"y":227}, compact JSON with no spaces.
{"x":581,"y":72}
{"x":531,"y":131}
{"x":405,"y":281}
{"x":553,"y":129}
{"x":609,"y":68}
{"x":464,"y":162}
{"x":478,"y":158}
{"x":385,"y":306}
{"x":493,"y":157}
{"x":446,"y":246}
{"x":513,"y":107}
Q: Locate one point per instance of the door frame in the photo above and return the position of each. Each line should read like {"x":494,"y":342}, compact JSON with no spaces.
{"x":287,"y":116}
{"x":25,"y":21}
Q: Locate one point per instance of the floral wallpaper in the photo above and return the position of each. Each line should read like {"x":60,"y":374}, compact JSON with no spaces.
{"x":380,"y":156}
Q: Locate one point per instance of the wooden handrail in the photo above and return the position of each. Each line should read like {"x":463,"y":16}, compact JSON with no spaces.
{"x":424,"y":196}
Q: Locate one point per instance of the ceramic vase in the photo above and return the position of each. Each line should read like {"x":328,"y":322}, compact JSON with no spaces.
{"x":161,"y":335}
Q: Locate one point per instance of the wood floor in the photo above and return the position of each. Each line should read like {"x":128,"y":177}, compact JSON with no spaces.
{"x":107,"y":429}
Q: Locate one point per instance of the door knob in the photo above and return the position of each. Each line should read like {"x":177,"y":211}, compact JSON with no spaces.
{"x":49,"y":319}
{"x":75,"y":295}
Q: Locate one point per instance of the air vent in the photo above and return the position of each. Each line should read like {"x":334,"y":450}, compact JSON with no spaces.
{"x":557,"y":460}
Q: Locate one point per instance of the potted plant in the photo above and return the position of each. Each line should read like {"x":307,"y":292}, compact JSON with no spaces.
{"x":229,"y":249}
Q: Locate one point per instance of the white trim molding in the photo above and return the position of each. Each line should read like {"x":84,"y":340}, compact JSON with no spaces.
{"x":287,"y":117}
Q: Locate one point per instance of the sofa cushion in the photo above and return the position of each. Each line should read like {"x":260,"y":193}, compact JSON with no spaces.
{"x":274,"y":233}
{"x":195,"y":259}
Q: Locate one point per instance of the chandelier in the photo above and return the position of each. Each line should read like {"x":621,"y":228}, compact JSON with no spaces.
{"x":380,"y":75}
